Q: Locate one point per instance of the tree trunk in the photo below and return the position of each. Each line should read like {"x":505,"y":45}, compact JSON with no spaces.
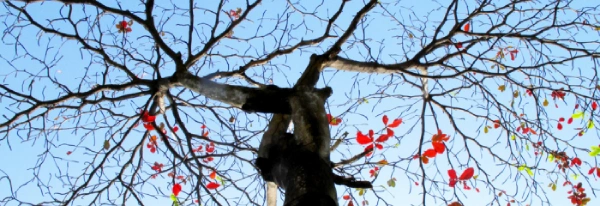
{"x":299,"y":163}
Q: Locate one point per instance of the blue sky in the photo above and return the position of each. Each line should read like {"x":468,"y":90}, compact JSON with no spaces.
{"x":349,"y":89}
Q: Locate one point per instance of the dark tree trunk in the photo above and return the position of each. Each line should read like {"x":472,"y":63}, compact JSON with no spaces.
{"x":299,"y":163}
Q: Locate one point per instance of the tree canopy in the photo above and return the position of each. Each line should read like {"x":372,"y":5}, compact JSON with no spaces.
{"x":430,"y":102}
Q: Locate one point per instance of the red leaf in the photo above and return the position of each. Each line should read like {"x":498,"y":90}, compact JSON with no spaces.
{"x":346,"y":197}
{"x":439,"y":147}
{"x":175,"y":129}
{"x":210,"y":148}
{"x":430,"y":153}
{"x":212,"y":185}
{"x":467,"y":27}
{"x":594,"y":106}
{"x":350,"y":203}
{"x":148,"y":126}
{"x":396,"y":123}
{"x":363,"y":139}
{"x":591,"y":171}
{"x":559,"y":126}
{"x":383,"y":138}
{"x":390,"y":132}
{"x":452,"y":174}
{"x":371,"y":133}
{"x":379,"y":146}
{"x":146,"y":117}
{"x":458,"y":45}
{"x":570,"y":120}
{"x":576,"y":161}
{"x":176,"y":189}
{"x":385,"y":119}
{"x":213,"y":175}
{"x":467,"y":174}
{"x":425,"y":160}
{"x":69,"y":153}
{"x":562,"y":119}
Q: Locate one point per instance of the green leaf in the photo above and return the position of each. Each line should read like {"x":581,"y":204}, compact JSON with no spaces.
{"x":529,"y":171}
{"x":577,"y":115}
{"x":173,"y":198}
{"x":550,"y":158}
{"x":218,"y":178}
{"x":392,"y":182}
{"x":527,"y":147}
{"x":595,"y":151}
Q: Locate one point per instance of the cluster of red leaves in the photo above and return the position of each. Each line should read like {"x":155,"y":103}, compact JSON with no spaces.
{"x":374,"y":171}
{"x":212,"y":185}
{"x":558,"y":94}
{"x":578,"y":196}
{"x":563,"y":161}
{"x":210,"y":148}
{"x":466,"y":175}
{"x":179,"y":177}
{"x":529,"y":92}
{"x":333,"y":121}
{"x":157,"y":167}
{"x":148,"y":119}
{"x":370,"y":140}
{"x":152,"y":144}
{"x":235,"y":14}
{"x":437,"y":142}
{"x":496,"y":124}
{"x":124,"y":26}
{"x":526,"y":130}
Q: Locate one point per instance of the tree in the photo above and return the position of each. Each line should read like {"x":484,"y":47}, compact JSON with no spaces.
{"x":120,"y":102}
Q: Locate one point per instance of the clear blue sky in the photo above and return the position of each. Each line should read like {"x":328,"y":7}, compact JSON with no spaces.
{"x":349,"y":88}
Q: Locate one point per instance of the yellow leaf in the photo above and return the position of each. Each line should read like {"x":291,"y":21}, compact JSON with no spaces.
{"x":575,"y":176}
{"x":550,"y":158}
{"x":410,"y":35}
{"x":513,"y":137}
{"x":516,"y":94}
{"x":597,"y":28}
{"x":590,"y":124}
{"x":485,"y":130}
{"x":577,"y":115}
{"x":545,"y":102}
{"x":553,"y":187}
{"x":475,"y":177}
{"x":382,"y":162}
{"x":502,"y":88}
